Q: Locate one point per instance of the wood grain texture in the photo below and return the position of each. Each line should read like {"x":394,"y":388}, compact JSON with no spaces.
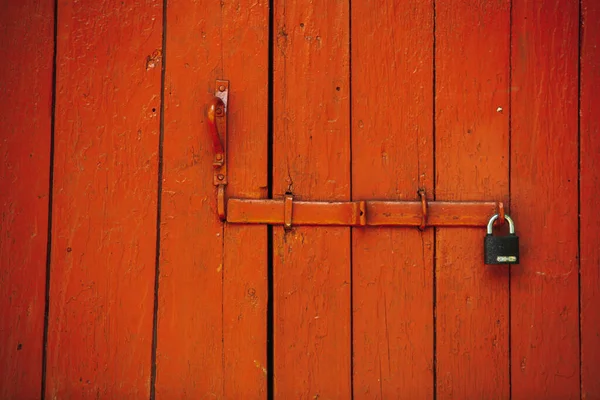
{"x":212,"y":302}
{"x":392,"y":158}
{"x":245,"y":292}
{"x":589,"y":195}
{"x":311,"y":159}
{"x":190,"y":311}
{"x":472,"y":69}
{"x":27,"y":48}
{"x":544,"y":154}
{"x":105,"y":199}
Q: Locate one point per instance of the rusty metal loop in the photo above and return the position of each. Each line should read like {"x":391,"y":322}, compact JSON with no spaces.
{"x":501,"y":214}
{"x":221,"y":202}
{"x":423,"y":209}
{"x":215,"y":107}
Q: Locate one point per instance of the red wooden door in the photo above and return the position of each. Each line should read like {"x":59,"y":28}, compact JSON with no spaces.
{"x":119,"y":280}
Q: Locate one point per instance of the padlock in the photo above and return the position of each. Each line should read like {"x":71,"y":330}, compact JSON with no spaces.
{"x":501,"y":249}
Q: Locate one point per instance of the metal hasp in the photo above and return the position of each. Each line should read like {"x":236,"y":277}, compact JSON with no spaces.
{"x":290,"y":212}
{"x":216,"y":115}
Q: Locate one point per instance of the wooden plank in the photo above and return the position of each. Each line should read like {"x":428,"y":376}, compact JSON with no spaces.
{"x":189,"y":353}
{"x":27,"y":48}
{"x":105,"y":199}
{"x":246,"y":42}
{"x":311,"y":159}
{"x":209,"y":343}
{"x":392,"y":158}
{"x":472,"y":80}
{"x":544,"y":158}
{"x":589,"y":194}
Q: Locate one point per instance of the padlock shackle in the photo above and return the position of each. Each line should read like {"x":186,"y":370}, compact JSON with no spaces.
{"x":511,"y":224}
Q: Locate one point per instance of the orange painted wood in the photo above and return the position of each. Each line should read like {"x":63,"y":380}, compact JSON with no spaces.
{"x":213,"y":287}
{"x":245,"y":294}
{"x":105,"y":199}
{"x":392,"y":158}
{"x":311,"y":158}
{"x":26,"y":48}
{"x":544,"y":157}
{"x":189,"y":355}
{"x":590,"y":195}
{"x":472,"y":111}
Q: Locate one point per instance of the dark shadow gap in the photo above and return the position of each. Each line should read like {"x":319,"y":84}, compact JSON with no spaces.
{"x":510,"y":57}
{"x":161,"y":140}
{"x":579,"y":58}
{"x":50,"y":201}
{"x":270,"y":316}
{"x":351,"y":198}
{"x":434,"y":198}
{"x":224,"y":270}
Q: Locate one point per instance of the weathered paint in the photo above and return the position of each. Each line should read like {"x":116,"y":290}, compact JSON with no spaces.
{"x":392,"y":158}
{"x":311,"y":159}
{"x":590,"y":195}
{"x":471,"y":164}
{"x":458,"y":98}
{"x":104,"y":199}
{"x":212,"y":285}
{"x":25,"y":124}
{"x":246,"y":43}
{"x":189,"y":354}
{"x":544,"y":161}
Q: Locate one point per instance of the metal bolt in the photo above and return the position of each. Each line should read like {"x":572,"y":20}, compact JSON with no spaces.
{"x":220,"y":177}
{"x":219,"y":157}
{"x":219,"y":111}
{"x":222,"y":88}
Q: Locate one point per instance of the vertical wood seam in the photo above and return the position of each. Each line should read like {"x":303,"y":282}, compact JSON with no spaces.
{"x":224,"y":378}
{"x":434,"y":179}
{"x":510,"y":67}
{"x":270,"y":325}
{"x":161,"y":140}
{"x":50,"y":198}
{"x":351,"y":245}
{"x":223,"y":288}
{"x":579,"y":54}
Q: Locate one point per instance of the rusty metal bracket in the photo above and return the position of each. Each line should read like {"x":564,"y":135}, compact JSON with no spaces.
{"x":501,"y":214}
{"x":423,"y":197}
{"x":288,"y":204}
{"x":216,"y":114}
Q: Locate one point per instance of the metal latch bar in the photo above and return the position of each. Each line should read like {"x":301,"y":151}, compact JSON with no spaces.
{"x":439,"y":213}
{"x":273,"y":212}
{"x":358,"y":213}
{"x":216,"y":118}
